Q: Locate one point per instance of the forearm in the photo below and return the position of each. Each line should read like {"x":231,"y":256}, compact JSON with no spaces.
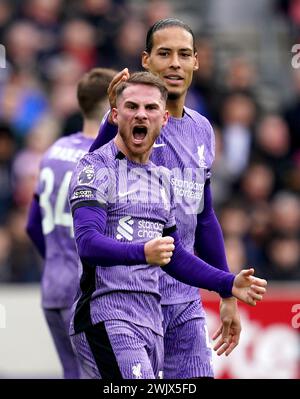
{"x":34,"y":226}
{"x":193,"y":271}
{"x":107,"y":132}
{"x":209,"y":241}
{"x":97,"y":249}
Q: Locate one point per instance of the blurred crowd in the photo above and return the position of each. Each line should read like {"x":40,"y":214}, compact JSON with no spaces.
{"x":256,"y":175}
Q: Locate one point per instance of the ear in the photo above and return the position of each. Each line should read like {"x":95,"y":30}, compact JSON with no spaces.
{"x":145,"y":60}
{"x":114,"y":115}
{"x":196,"y":63}
{"x":165,"y":119}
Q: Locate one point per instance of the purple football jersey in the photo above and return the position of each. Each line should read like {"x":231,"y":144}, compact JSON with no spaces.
{"x":60,"y":277}
{"x":185,"y":146}
{"x":139,"y":203}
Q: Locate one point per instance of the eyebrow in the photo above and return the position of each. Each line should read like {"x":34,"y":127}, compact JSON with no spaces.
{"x":130,"y":102}
{"x":181,"y":49}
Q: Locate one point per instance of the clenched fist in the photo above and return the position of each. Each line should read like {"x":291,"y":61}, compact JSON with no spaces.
{"x":159,"y":251}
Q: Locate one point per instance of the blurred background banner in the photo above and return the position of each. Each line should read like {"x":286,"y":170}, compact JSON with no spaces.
{"x":270,"y":339}
{"x":247,"y":85}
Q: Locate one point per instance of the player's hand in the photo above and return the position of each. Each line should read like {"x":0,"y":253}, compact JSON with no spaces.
{"x":230,"y":330}
{"x":159,"y":250}
{"x":247,"y":288}
{"x":111,"y":91}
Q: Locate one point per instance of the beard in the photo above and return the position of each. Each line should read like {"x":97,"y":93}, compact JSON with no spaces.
{"x":173,"y":96}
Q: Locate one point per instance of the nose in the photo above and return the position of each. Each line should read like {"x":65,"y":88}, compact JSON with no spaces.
{"x":175,"y":61}
{"x":141,"y":114}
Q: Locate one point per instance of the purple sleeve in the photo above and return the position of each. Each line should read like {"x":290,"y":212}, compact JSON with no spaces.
{"x":191,"y":270}
{"x":107,"y":132}
{"x":96,"y":248}
{"x":34,"y":226}
{"x":209,"y":242}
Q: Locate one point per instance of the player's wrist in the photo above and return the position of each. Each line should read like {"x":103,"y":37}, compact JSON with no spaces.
{"x":231,"y":299}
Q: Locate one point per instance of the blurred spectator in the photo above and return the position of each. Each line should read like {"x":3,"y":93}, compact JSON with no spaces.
{"x":63,"y":100}
{"x":23,"y":41}
{"x":63,"y":73}
{"x":106,"y":17}
{"x":25,"y":262}
{"x":129,"y":45}
{"x":257,"y":183}
{"x":291,"y":9}
{"x":22,"y":102}
{"x":6,"y":15}
{"x":205,"y":94}
{"x":5,"y":256}
{"x":7,"y":150}
{"x":260,"y":224}
{"x":283,"y":259}
{"x":26,"y":163}
{"x":222,"y":179}
{"x":259,"y":234}
{"x":78,"y":40}
{"x":291,"y":113}
{"x":46,"y":17}
{"x":234,"y":220}
{"x":285,"y":217}
{"x":272,"y":145}
{"x":44,"y":13}
{"x":63,"y":69}
{"x":241,"y":76}
{"x":238,"y":117}
{"x":157,"y":9}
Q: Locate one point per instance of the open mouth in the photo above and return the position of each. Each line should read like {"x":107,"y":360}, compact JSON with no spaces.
{"x":139,"y":133}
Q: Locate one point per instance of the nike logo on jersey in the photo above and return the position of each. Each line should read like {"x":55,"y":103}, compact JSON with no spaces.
{"x":157,"y":145}
{"x":126,"y":193}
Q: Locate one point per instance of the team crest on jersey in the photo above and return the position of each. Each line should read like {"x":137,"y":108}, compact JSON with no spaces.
{"x":202,"y":163}
{"x":87,"y":175}
{"x":137,"y":371}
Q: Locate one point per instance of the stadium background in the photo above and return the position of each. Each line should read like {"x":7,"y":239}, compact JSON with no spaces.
{"x":248,"y":85}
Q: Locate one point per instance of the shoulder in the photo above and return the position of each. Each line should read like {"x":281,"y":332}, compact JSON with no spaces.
{"x":99,"y":159}
{"x":67,"y":140}
{"x":63,"y":142}
{"x":199,"y":119}
{"x":91,"y":159}
{"x":107,"y":152}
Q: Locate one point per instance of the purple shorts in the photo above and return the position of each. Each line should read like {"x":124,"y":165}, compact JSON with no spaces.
{"x":186,"y":342}
{"x":117,"y":349}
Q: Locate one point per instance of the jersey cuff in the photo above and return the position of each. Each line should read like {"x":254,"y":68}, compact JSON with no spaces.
{"x":91,"y":203}
{"x":169,"y":230}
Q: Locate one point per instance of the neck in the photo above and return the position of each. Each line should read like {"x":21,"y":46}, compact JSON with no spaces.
{"x":175,"y":107}
{"x":90,"y":128}
{"x":134,"y":157}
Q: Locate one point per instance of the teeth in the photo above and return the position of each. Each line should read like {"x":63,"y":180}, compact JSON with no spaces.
{"x":173,"y":77}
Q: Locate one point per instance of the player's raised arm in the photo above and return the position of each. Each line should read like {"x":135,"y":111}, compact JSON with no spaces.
{"x":191,"y":270}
